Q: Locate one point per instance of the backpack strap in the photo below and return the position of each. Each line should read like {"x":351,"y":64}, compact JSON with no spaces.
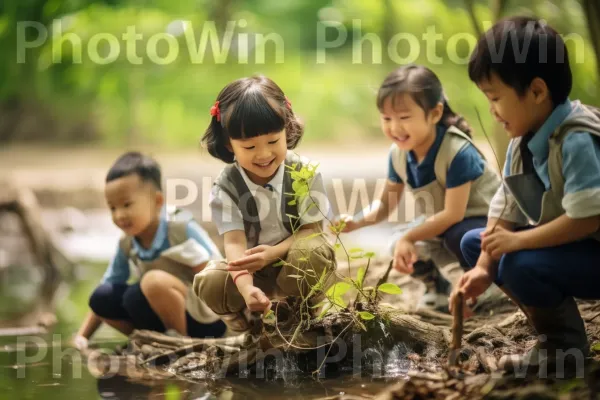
{"x":399,"y":162}
{"x":126,"y":244}
{"x":232,"y":183}
{"x":453,"y":142}
{"x":177,"y":222}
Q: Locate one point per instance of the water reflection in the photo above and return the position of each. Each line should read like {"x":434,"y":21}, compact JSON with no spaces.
{"x":59,"y":374}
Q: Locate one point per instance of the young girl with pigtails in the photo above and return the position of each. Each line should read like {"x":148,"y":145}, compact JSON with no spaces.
{"x":254,"y":130}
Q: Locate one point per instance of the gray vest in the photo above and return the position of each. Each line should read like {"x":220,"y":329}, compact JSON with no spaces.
{"x":230,"y":180}
{"x":547,"y":205}
{"x":430,"y":199}
{"x":176,"y":234}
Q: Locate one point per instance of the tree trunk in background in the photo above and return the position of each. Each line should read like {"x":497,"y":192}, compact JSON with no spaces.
{"x":221,"y":14}
{"x":499,"y":138}
{"x":471,"y":11}
{"x":498,"y":7}
{"x":389,"y":22}
{"x":591,"y":9}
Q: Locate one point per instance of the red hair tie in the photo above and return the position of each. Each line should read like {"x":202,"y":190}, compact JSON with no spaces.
{"x":215,"y":112}
{"x":288,"y":103}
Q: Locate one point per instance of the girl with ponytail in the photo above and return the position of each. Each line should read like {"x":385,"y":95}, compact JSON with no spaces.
{"x":433,"y":156}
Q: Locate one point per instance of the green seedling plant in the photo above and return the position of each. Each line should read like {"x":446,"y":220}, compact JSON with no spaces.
{"x":326,"y":296}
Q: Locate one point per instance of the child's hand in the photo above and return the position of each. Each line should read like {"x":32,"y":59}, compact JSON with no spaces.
{"x":80,"y":342}
{"x":472,"y":284}
{"x":346,"y":223}
{"x":255,"y":299}
{"x":499,"y":242}
{"x":405,"y":255}
{"x":254,"y":259}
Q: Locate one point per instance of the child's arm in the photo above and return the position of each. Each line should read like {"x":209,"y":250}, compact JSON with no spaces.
{"x":90,"y":325}
{"x":486,"y":261}
{"x":405,"y":252}
{"x":581,"y":202}
{"x":117,"y":272}
{"x":476,"y":281}
{"x":262,"y":255}
{"x":562,"y":230}
{"x":235,"y":247}
{"x":379,"y":210}
{"x":455,"y":206}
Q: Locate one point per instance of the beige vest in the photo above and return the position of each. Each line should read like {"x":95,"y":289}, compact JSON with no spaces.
{"x":176,"y":233}
{"x":551,"y":200}
{"x":430,"y":199}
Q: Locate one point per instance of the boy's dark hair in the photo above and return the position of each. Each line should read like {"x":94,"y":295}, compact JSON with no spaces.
{"x":135,"y":162}
{"x":250,"y":107}
{"x":519,"y":49}
{"x":425,"y":88}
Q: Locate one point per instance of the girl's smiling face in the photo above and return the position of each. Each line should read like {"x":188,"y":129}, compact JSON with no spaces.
{"x":260,"y":156}
{"x":406,"y":124}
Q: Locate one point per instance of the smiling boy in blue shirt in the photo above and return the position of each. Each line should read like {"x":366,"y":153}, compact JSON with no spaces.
{"x":541,"y":244}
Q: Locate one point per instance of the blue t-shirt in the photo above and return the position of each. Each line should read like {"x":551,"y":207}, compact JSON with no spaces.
{"x":466,"y":166}
{"x":580,"y":166}
{"x":118,"y":270}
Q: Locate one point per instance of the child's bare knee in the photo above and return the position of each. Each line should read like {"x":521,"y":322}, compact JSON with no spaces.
{"x":156,"y":281}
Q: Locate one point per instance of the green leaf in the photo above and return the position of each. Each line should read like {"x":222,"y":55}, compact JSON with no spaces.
{"x":355,"y":250}
{"x":269,"y":314}
{"x":313,"y":235}
{"x":596,"y":347}
{"x":279,"y":263}
{"x":361,"y":325}
{"x":337,"y":246}
{"x":360,"y":277}
{"x":338,"y":227}
{"x":296,"y":186}
{"x":389,"y":288}
{"x":370,"y":254}
{"x":338,"y":301}
{"x":366,"y":315}
{"x":339,"y":289}
{"x":292,"y":202}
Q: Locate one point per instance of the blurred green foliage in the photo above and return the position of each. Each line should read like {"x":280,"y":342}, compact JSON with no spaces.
{"x":58,"y":96}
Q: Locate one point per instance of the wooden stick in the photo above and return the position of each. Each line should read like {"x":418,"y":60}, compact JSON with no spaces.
{"x":385,"y":276}
{"x":457,"y":330}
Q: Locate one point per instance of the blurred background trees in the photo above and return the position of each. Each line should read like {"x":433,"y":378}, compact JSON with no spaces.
{"x":62,"y":95}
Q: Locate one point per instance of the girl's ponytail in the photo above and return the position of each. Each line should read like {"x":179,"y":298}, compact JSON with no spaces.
{"x":215,"y":140}
{"x":450,"y":118}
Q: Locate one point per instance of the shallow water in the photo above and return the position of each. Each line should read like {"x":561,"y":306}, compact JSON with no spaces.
{"x":46,"y":367}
